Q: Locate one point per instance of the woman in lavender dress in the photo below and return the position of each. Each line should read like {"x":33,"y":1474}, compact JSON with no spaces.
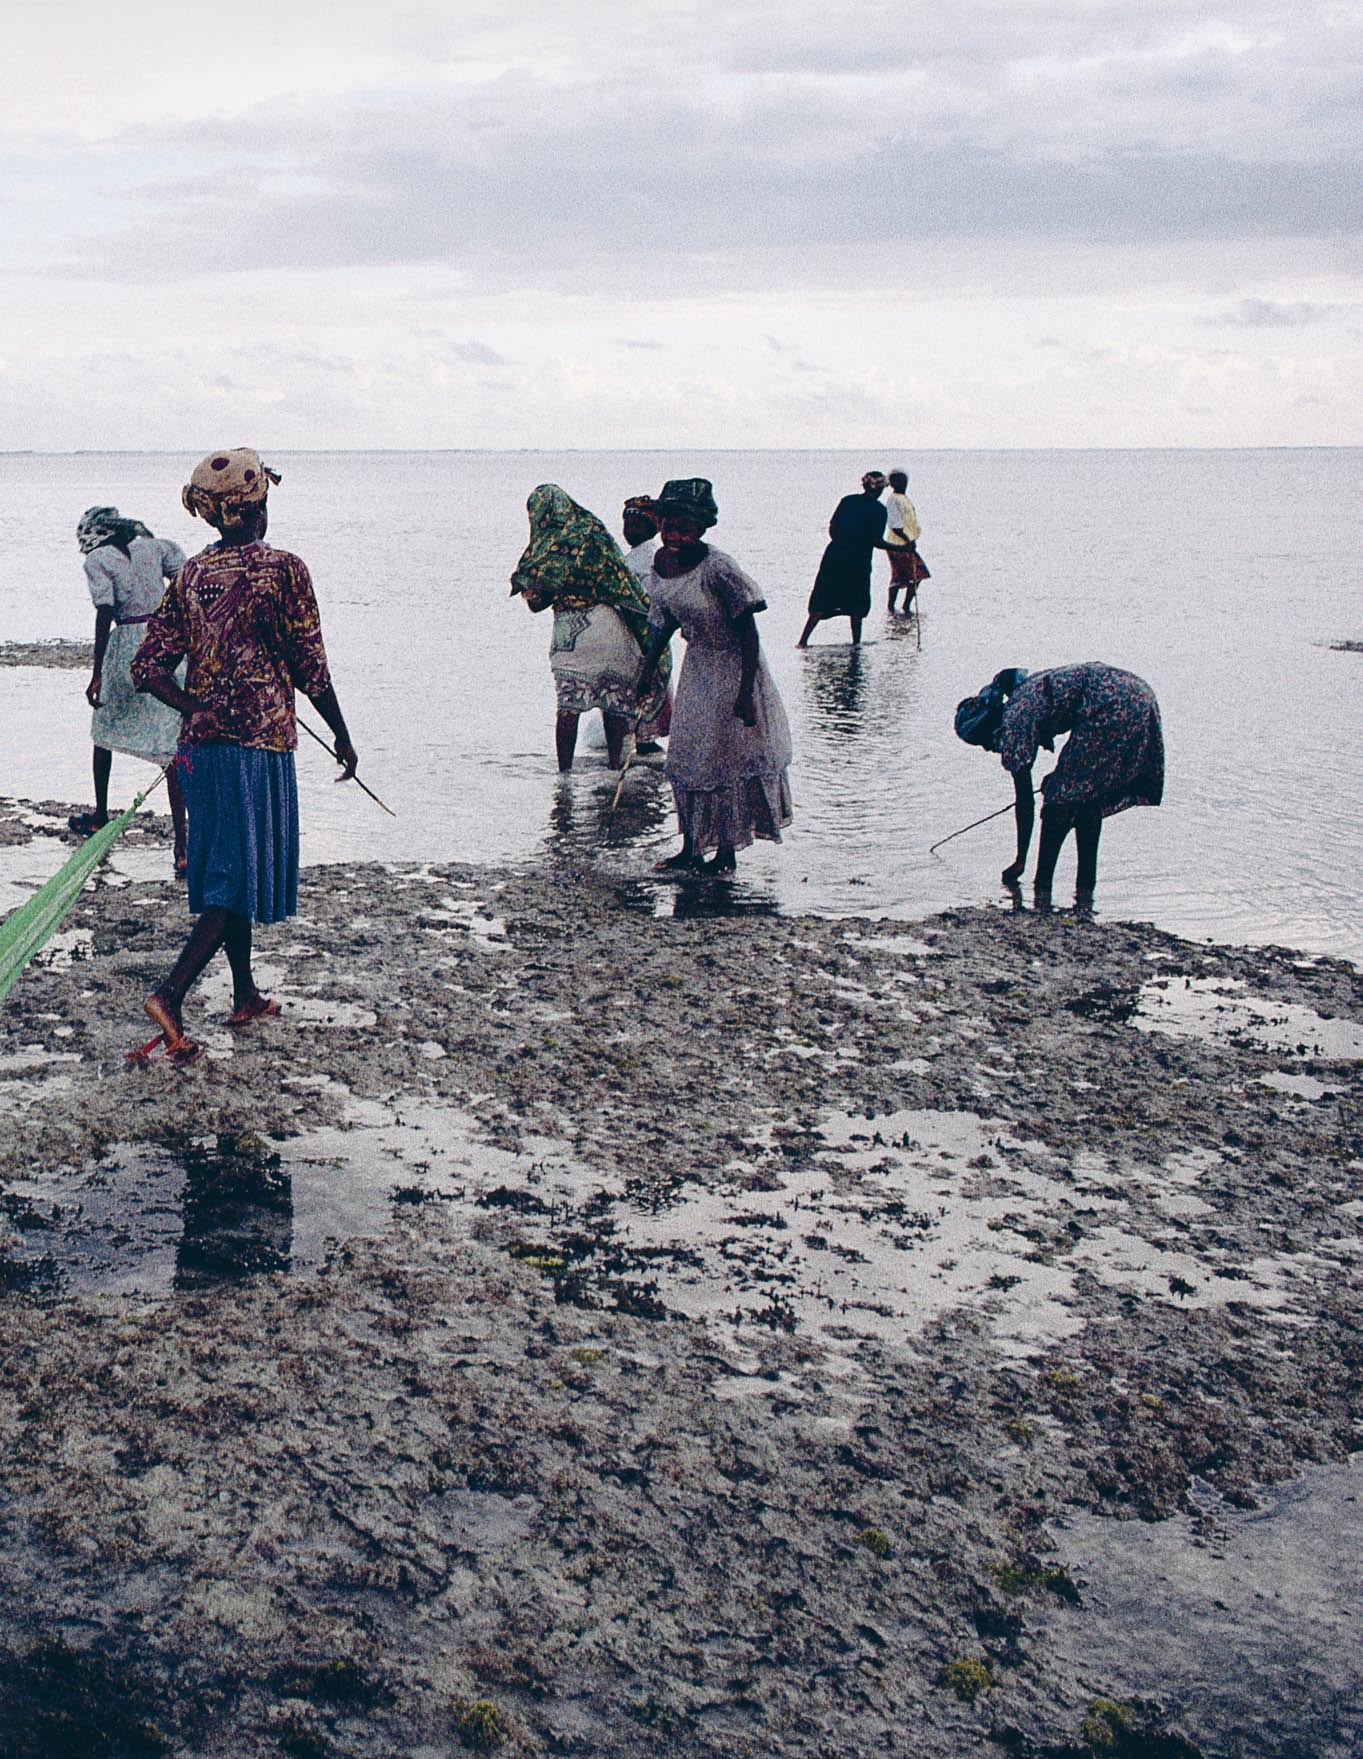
{"x":729,"y":749}
{"x":1113,"y":758}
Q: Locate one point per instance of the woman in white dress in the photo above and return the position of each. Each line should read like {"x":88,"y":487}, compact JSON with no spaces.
{"x":729,"y":750}
{"x":126,"y":569}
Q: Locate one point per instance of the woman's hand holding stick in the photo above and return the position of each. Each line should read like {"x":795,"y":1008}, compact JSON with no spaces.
{"x":344,"y":753}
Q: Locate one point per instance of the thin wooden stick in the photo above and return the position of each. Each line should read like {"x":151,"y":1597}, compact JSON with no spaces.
{"x":975,"y":824}
{"x":355,"y":779}
{"x":629,"y":759}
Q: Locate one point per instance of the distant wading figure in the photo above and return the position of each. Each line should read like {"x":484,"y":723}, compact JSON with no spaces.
{"x":245,"y":617}
{"x":907,"y":567}
{"x":639,"y":525}
{"x":572,"y":566}
{"x":1113,"y":758}
{"x":842,"y":587}
{"x":729,"y":752}
{"x":126,"y":568}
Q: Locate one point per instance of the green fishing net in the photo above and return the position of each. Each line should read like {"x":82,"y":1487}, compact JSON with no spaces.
{"x":28,"y":929}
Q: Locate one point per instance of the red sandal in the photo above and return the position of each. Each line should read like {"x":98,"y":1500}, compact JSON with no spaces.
{"x":258,"y":1008}
{"x":181,"y":1051}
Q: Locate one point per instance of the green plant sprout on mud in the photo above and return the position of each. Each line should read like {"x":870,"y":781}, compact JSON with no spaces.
{"x":873,"y":1540}
{"x":969,"y":1678}
{"x":480,"y":1725}
{"x":1018,"y":1578}
{"x":1131,"y":1731}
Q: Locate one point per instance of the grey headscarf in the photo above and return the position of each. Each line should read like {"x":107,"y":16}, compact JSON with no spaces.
{"x":106,"y":525}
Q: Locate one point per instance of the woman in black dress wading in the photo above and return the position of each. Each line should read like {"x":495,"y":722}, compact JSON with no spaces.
{"x":842,"y":587}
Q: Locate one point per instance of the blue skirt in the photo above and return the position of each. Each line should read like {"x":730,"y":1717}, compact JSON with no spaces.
{"x":243,"y":830}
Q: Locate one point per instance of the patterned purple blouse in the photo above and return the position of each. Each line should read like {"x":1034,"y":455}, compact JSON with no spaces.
{"x":1114,"y":756}
{"x":246,"y":617}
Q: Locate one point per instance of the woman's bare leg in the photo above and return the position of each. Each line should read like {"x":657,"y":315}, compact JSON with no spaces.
{"x":565,"y":738}
{"x":164,"y":1003}
{"x":1088,"y":828}
{"x":616,"y":727}
{"x":686,"y":856}
{"x":1055,"y":827}
{"x":103,"y":767}
{"x":237,"y":945}
{"x":810,"y":627}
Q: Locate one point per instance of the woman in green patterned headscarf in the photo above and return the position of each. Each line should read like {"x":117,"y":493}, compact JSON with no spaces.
{"x":572,"y":566}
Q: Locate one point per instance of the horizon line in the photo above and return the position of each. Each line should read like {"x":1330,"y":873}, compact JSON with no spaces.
{"x":537,"y":451}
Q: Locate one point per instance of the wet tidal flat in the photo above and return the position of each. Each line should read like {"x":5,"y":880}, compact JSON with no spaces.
{"x":577,"y":1328}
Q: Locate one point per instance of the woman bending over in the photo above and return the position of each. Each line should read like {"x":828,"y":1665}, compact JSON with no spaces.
{"x":1113,"y":758}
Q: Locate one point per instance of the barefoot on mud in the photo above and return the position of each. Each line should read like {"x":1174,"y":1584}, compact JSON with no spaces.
{"x":255,"y":1007}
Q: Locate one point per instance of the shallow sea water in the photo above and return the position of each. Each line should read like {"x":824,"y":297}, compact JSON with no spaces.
{"x":1222,"y":577}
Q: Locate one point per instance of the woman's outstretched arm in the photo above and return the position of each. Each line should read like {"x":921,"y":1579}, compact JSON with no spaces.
{"x":1024,"y":814}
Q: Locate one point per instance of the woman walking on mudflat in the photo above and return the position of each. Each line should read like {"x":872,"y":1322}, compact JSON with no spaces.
{"x":126,"y":569}
{"x":245,"y":617}
{"x":1113,"y":758}
{"x":729,"y":749}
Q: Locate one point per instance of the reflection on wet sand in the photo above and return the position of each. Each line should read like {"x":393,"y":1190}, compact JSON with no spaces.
{"x":148,"y":1219}
{"x":705,"y":898}
{"x":238,"y":1214}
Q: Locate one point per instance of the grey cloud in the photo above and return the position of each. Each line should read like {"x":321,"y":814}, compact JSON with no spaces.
{"x":477,"y":353}
{"x":535,"y":179}
{"x":636,"y":342}
{"x":1269,"y":314}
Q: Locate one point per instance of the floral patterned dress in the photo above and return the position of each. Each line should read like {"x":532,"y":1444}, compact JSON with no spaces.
{"x":729,"y":781}
{"x":1114,"y":756}
{"x":246,"y":617}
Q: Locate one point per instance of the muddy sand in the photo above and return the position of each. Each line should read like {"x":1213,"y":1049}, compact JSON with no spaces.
{"x":588,"y":1322}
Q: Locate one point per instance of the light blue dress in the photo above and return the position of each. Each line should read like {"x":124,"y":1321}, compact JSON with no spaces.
{"x":132,"y":586}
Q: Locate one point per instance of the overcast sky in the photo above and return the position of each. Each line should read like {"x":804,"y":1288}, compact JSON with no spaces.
{"x":992,"y":223}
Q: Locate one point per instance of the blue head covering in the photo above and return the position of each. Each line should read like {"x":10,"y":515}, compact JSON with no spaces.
{"x":978,"y":718}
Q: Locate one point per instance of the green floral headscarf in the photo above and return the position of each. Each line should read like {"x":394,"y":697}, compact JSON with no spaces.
{"x":572,"y":562}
